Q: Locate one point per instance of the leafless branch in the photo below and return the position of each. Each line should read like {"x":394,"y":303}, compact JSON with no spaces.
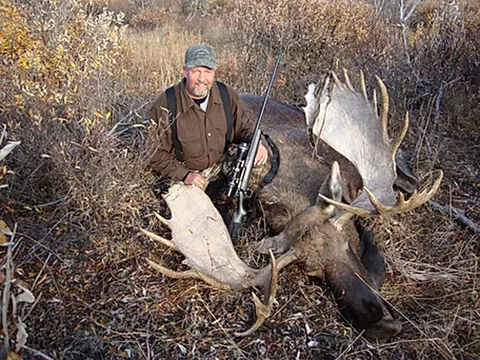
{"x":457,"y":215}
{"x":3,"y":133}
{"x":438,"y":100}
{"x":404,"y":16}
{"x":6,"y":291}
{"x":37,"y":353}
{"x":127,"y":120}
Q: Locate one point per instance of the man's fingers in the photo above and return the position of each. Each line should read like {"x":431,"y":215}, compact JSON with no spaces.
{"x":262,"y":155}
{"x":261,"y":161}
{"x":199,"y":183}
{"x":199,"y":180}
{"x":195,"y":179}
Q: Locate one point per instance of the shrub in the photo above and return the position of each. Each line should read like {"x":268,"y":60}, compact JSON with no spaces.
{"x":316,"y":36}
{"x":61,"y":80}
{"x":443,"y":47}
{"x":429,"y":64}
{"x":149,"y":19}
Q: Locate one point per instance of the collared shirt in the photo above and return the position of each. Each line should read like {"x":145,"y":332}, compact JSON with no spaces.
{"x":201,"y":133}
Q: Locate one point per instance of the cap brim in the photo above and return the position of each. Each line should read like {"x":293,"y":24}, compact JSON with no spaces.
{"x":195,"y":63}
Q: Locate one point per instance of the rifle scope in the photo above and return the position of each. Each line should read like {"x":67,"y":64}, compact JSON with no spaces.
{"x":238,"y":165}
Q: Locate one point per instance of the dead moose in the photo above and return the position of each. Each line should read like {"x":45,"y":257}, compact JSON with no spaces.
{"x":309,"y":206}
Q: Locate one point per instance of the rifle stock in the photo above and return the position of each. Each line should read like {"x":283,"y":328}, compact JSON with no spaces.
{"x":236,"y":222}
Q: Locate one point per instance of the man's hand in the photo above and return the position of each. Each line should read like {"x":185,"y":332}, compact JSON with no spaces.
{"x":195,"y":179}
{"x":262,"y":155}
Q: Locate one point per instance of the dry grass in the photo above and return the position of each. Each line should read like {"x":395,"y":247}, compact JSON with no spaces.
{"x":158,"y":57}
{"x":78,"y":208}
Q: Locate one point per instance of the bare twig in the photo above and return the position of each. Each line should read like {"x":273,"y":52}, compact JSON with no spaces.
{"x":3,"y":133}
{"x":40,"y":242}
{"x":404,"y":16}
{"x":6,"y":291}
{"x":126,"y":120}
{"x":439,"y":343}
{"x":350,"y":345}
{"x":438,"y":100}
{"x":37,"y":353}
{"x":223,"y":329}
{"x":420,"y":271}
{"x":40,"y":272}
{"x":457,"y":215}
{"x":39,"y":206}
{"x":37,"y":299}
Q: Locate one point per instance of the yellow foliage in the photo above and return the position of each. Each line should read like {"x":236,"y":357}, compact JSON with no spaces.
{"x":51,"y":61}
{"x":3,"y":237}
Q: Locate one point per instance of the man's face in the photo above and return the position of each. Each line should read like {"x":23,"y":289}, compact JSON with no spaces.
{"x":199,"y":81}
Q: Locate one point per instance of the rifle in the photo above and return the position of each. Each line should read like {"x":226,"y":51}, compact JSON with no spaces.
{"x":243,"y":166}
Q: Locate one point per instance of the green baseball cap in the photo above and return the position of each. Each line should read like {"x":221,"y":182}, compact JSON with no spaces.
{"x":200,"y":55}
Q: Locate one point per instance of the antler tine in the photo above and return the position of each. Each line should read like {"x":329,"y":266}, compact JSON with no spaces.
{"x":375,"y":102}
{"x":158,"y":238}
{"x":382,"y":209}
{"x":161,"y":218}
{"x":272,"y":288}
{"x":363,"y":86}
{"x":339,"y":220}
{"x":426,"y":194}
{"x":417,"y":199}
{"x":384,"y":110}
{"x":335,"y":78}
{"x":401,"y":136}
{"x":262,"y":310}
{"x":355,"y":210}
{"x":347,"y":80}
{"x":189,"y":274}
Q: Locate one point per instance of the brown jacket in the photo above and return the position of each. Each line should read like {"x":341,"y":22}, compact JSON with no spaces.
{"x":201,"y":134}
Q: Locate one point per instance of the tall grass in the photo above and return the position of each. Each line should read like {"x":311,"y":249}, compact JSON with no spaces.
{"x":158,"y":58}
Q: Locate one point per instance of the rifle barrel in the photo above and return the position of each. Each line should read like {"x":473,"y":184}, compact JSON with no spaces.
{"x":252,"y":151}
{"x":267,"y":93}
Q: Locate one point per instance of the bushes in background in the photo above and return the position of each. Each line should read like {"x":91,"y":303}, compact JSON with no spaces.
{"x":62,"y":79}
{"x":435,"y":53}
{"x":316,"y":36}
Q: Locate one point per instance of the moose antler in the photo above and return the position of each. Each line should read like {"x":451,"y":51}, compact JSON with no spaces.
{"x":345,"y":120}
{"x":199,"y":233}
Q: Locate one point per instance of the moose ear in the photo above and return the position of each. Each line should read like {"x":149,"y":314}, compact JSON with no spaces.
{"x":332,"y":186}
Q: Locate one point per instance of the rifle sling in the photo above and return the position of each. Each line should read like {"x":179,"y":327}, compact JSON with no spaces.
{"x":267,"y":179}
{"x":228,"y":112}
{"x":172,"y":115}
